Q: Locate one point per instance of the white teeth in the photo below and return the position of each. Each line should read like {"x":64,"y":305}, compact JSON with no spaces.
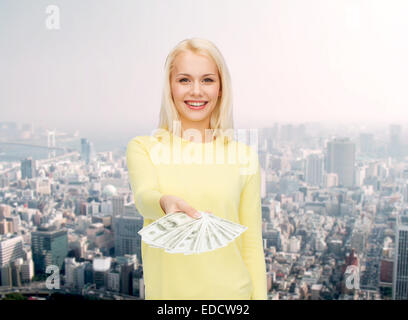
{"x":196,"y":104}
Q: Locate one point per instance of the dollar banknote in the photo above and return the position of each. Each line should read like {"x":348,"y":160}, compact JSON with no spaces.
{"x":179,"y":233}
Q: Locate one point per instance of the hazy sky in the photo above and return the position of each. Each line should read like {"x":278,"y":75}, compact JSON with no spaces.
{"x":290,"y":60}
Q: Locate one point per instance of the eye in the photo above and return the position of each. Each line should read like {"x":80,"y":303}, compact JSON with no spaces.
{"x":182,"y":80}
{"x":209,"y":80}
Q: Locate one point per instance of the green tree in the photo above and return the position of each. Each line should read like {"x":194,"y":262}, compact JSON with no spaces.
{"x":14,"y":296}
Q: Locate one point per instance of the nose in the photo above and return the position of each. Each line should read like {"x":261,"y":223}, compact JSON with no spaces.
{"x":196,"y":88}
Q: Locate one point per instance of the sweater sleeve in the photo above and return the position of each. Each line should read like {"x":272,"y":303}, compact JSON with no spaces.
{"x":250,"y":214}
{"x":143,"y":180}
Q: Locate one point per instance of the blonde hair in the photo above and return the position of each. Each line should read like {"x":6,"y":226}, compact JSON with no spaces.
{"x":221,"y":120}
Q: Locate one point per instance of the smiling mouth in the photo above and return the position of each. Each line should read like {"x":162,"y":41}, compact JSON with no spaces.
{"x":196,"y":105}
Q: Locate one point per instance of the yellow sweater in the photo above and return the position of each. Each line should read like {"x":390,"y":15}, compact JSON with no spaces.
{"x":210,"y":177}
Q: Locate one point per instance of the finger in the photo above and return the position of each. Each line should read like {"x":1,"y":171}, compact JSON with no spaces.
{"x":190,"y":211}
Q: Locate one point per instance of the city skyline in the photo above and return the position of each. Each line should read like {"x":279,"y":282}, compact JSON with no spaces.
{"x":26,"y":134}
{"x":323,"y":223}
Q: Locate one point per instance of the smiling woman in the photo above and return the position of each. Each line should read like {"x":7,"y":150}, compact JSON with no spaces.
{"x":197,"y":96}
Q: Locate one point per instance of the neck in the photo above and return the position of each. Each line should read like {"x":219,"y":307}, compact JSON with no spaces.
{"x":200,"y":127}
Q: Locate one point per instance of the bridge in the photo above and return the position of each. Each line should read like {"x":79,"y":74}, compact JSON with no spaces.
{"x":43,"y":161}
{"x":21,"y":144}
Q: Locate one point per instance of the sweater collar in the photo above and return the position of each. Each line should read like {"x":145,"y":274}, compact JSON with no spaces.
{"x":165,"y":136}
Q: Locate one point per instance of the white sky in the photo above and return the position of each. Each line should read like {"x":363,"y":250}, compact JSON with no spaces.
{"x":290,"y":60}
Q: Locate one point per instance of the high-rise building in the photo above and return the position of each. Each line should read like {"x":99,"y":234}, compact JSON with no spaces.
{"x":79,"y":276}
{"x":294,"y":244}
{"x":272,"y":238}
{"x":4,"y":181}
{"x":405,"y":192}
{"x":88,"y":272}
{"x":138,"y":283}
{"x":263,"y":183}
{"x":360,"y":174}
{"x":70,"y":265}
{"x":5,"y":211}
{"x":126,"y":277}
{"x":127,"y":239}
{"x":13,"y":224}
{"x":27,"y":270}
{"x":87,"y":150}
{"x":16,"y":272}
{"x":400,"y":276}
{"x":11,"y":248}
{"x":6,"y":277}
{"x":358,"y":240}
{"x":28,"y":168}
{"x":113,"y":280}
{"x":395,"y":146}
{"x":118,"y":205}
{"x":314,"y":169}
{"x":341,"y":160}
{"x":74,"y":273}
{"x":4,"y":227}
{"x":49,"y":247}
{"x":386,"y":269}
{"x":101,"y":267}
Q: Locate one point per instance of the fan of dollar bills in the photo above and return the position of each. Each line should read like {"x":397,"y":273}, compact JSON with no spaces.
{"x":179,"y":233}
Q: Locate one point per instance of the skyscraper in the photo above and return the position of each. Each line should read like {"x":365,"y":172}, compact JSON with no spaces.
{"x":101,"y":266}
{"x":127,"y":267}
{"x":340,"y":159}
{"x":314,"y":169}
{"x":395,"y":146}
{"x":5,"y":211}
{"x":400,"y":277}
{"x":127,"y":239}
{"x":86,"y":150}
{"x":11,"y":248}
{"x":118,"y":205}
{"x":49,"y":247}
{"x":28,"y":168}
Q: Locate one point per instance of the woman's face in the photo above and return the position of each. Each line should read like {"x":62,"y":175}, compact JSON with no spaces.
{"x":195,"y":87}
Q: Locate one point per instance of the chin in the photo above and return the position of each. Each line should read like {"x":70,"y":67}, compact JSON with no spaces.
{"x":193,"y":119}
{"x":193,"y":115}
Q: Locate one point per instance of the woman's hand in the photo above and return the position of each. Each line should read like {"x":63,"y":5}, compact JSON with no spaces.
{"x":171,"y":204}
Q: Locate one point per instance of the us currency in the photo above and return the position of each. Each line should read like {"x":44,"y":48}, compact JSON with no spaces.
{"x":206,"y":244}
{"x":164,"y":225}
{"x":172,"y":241}
{"x":186,"y":243}
{"x":222,"y":236}
{"x":179,"y":233}
{"x":166,"y":239}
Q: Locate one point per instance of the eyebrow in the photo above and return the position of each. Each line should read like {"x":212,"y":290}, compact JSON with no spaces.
{"x":186,"y":74}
